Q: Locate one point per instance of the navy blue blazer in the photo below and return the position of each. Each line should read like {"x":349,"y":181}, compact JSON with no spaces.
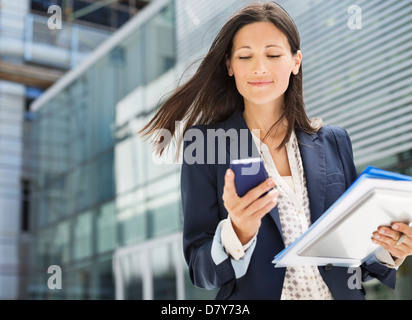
{"x":329,"y":168}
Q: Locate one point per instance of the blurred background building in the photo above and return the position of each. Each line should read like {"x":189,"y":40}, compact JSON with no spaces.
{"x":33,"y":57}
{"x":79,"y":189}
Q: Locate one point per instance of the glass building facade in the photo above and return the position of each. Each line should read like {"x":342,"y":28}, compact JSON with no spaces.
{"x":32,"y":57}
{"x":106,"y":211}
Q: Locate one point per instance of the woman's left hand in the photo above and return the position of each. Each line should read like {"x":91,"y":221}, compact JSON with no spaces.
{"x":397,"y":239}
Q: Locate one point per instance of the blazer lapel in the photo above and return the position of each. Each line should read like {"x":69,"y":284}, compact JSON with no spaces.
{"x":238,"y":133}
{"x":314,"y":164}
{"x":238,"y":123}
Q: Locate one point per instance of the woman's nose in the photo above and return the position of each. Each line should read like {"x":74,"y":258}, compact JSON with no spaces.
{"x":259,"y":66}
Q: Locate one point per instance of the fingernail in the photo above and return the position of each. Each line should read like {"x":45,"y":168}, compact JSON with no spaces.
{"x":270,"y":183}
{"x":227,"y":172}
{"x":382,"y":231}
{"x":395,"y":226}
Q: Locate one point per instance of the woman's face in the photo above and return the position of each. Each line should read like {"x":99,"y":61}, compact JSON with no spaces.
{"x":262,"y":63}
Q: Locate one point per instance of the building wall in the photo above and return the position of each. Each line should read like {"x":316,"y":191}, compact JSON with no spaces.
{"x":358,"y":78}
{"x":12,"y":108}
{"x":26,"y":40}
{"x":79,"y":207}
{"x":11,"y":144}
{"x":108,"y":212}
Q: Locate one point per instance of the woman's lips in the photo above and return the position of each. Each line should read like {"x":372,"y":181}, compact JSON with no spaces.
{"x":260,"y":83}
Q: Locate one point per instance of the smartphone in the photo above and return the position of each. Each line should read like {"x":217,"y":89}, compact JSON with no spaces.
{"x":249,"y":173}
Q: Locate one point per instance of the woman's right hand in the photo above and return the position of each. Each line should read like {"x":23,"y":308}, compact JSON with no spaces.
{"x":246,"y":212}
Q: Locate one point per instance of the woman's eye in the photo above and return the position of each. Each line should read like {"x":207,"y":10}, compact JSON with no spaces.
{"x":249,"y":57}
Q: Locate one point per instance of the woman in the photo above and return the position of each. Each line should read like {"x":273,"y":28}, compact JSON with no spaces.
{"x":251,"y":79}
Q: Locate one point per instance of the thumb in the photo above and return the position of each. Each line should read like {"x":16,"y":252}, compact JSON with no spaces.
{"x":230,"y":182}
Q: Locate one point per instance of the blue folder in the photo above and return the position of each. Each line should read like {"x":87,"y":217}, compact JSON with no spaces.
{"x":372,"y":172}
{"x":323,"y":229}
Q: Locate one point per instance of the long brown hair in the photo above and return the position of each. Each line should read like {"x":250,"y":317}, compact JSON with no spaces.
{"x":211,"y":95}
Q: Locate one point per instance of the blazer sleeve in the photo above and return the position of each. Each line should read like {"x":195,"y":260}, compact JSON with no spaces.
{"x":201,"y":217}
{"x":370,"y":269}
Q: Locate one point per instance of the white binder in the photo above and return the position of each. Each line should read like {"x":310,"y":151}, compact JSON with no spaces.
{"x":343,"y":235}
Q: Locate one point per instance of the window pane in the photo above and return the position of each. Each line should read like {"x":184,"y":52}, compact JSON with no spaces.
{"x":106,"y":228}
{"x":164,"y":273}
{"x":83,"y":235}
